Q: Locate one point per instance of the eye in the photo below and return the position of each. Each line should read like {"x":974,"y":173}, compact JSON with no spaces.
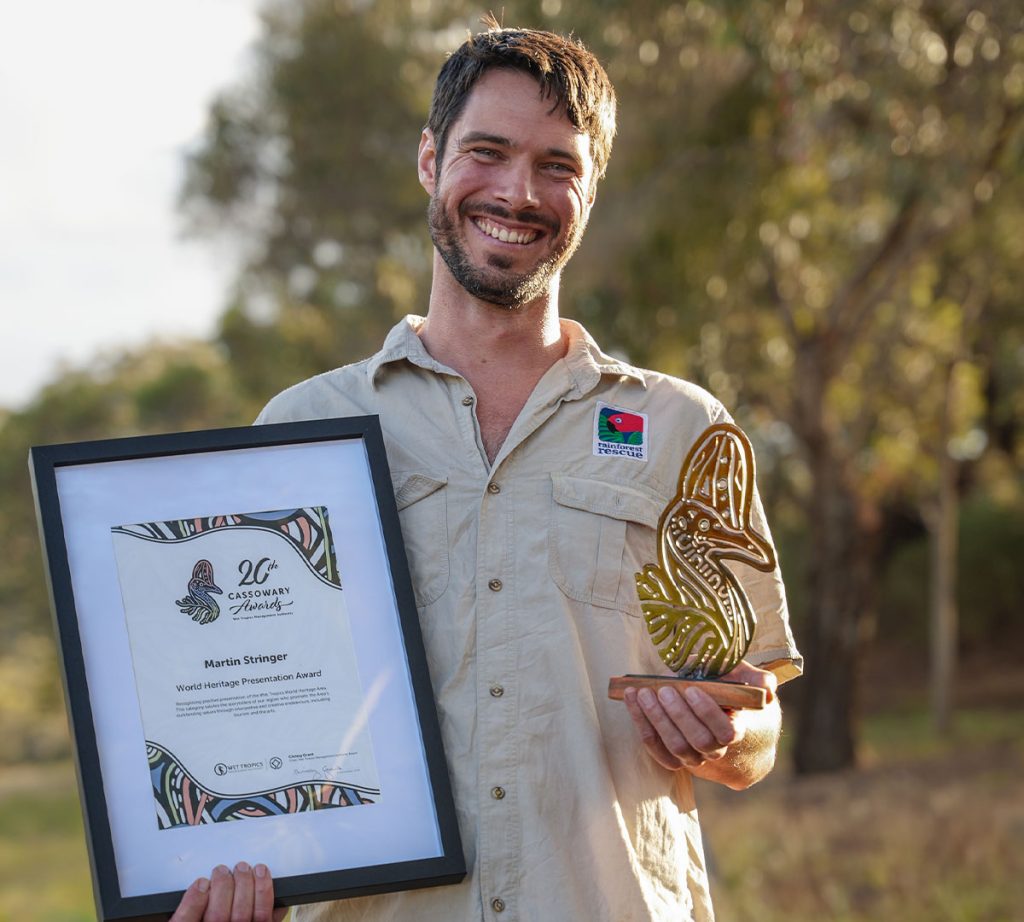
{"x":486,"y":153}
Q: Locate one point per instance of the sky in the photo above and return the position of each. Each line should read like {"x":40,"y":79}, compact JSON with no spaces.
{"x":99,"y":102}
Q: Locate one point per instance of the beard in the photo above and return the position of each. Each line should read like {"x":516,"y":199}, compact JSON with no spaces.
{"x":494,"y":283}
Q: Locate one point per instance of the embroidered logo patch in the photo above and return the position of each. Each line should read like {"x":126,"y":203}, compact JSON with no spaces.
{"x":620,"y":432}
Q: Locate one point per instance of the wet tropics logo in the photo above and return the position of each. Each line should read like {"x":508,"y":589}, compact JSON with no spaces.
{"x":620,"y":432}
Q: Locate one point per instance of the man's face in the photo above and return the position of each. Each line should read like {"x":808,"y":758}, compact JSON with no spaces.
{"x":511,"y":200}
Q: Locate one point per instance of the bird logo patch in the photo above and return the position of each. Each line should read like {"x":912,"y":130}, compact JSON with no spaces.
{"x":620,"y":432}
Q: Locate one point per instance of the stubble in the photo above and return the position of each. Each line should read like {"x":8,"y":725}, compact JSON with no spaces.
{"x":495,"y":283}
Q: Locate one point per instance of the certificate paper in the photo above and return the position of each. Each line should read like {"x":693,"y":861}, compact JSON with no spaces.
{"x":240,"y":636}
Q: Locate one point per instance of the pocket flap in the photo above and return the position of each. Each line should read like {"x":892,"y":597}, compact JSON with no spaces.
{"x":611,"y":499}
{"x":411,"y":486}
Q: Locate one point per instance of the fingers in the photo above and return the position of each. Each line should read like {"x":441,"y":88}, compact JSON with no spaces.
{"x":244,"y":895}
{"x":222,"y":894}
{"x":681,"y":730}
{"x":263,"y":897}
{"x":245,"y":887}
{"x":193,"y":903}
{"x":751,"y":675}
{"x":648,"y":735}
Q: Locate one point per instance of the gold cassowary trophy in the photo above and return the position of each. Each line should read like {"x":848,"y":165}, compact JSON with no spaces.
{"x":697,"y":613}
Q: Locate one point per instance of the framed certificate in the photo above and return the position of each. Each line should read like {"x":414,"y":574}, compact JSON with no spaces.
{"x":243,"y":665}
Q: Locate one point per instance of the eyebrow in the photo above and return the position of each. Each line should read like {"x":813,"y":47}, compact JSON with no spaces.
{"x":473,"y":137}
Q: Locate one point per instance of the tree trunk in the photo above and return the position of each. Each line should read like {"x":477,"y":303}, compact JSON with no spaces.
{"x":841,"y":591}
{"x":841,"y":594}
{"x":942,"y":545}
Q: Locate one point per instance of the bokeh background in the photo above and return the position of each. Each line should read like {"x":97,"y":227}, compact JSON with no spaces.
{"x":814,"y":209}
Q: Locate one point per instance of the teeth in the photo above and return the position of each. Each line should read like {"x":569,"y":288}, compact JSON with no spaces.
{"x":504,"y":235}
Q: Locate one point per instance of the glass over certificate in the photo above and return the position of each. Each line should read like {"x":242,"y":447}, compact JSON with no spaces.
{"x":239,"y":635}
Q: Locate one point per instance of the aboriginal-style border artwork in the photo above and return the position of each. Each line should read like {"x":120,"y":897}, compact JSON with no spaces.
{"x":182,"y":801}
{"x":697,"y":613}
{"x":307,"y":529}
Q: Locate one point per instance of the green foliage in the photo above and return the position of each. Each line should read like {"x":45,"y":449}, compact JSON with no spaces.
{"x":991,"y":581}
{"x":159,"y":389}
{"x":32,"y":723}
{"x":314,"y":162}
{"x":991,"y":577}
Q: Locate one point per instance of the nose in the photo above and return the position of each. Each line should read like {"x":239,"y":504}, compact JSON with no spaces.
{"x":517,"y":187}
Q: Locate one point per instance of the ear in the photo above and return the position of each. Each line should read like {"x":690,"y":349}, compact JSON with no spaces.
{"x":426,"y":161}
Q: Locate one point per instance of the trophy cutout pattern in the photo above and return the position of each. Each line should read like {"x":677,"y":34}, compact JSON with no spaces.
{"x":697,"y":613}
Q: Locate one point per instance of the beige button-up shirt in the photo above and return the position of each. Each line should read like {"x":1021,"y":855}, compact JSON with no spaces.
{"x":524,"y":576}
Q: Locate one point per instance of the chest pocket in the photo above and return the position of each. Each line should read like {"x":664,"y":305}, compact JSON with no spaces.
{"x":600,"y":534}
{"x":423,"y":513}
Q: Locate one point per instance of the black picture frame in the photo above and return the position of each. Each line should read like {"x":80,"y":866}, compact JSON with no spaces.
{"x":70,"y":538}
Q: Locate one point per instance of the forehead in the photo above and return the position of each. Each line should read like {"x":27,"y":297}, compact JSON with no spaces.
{"x":509,"y":103}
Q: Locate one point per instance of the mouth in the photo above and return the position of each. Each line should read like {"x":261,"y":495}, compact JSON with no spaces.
{"x":504,"y":234}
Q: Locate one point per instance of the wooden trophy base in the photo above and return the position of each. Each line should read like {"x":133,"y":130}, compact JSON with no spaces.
{"x":726,"y":694}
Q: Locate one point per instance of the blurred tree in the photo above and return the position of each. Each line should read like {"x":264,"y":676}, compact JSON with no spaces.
{"x":312,"y":164}
{"x":158,"y":389}
{"x":793,"y":217}
{"x":807,"y":238}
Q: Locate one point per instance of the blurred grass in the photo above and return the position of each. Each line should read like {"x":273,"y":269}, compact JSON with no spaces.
{"x":927,"y":829}
{"x":44,"y":868}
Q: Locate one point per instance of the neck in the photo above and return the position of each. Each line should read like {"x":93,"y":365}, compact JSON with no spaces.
{"x":501,"y":352}
{"x":481,"y":340}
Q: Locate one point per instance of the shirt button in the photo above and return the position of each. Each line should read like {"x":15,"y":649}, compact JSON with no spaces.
{"x":467,"y":401}
{"x":498,"y":793}
{"x":497,"y":691}
{"x":494,"y":585}
{"x":498,"y":905}
{"x":492,"y":487}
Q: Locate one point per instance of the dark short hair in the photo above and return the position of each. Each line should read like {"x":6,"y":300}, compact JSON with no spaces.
{"x":566,"y":71}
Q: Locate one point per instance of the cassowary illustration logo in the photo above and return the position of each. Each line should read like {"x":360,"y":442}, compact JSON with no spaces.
{"x":697,"y":613}
{"x":199,"y":605}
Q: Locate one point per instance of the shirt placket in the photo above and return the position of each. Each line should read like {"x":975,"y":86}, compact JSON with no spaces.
{"x":497,"y":696}
{"x":499,"y":624}
{"x":497,"y":693}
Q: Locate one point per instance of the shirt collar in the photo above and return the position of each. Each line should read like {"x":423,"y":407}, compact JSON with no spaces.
{"x":584,"y":360}
{"x":404,"y":344}
{"x":587,"y":364}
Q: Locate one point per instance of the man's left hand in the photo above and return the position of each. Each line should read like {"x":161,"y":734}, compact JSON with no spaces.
{"x":690,"y":730}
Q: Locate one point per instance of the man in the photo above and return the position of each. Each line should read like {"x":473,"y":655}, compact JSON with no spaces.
{"x":524,"y":529}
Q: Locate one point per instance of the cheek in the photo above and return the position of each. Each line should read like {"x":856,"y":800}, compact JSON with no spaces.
{"x":577,"y":214}
{"x":578,"y":205}
{"x":461,"y":176}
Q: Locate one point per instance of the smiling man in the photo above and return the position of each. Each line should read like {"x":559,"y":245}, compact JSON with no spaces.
{"x":517,"y":188}
{"x":530,"y":470}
